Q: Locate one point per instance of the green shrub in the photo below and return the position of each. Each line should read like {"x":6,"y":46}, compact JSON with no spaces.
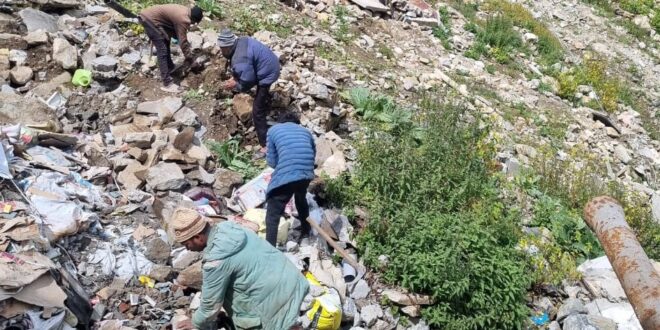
{"x":549,"y":47}
{"x":434,"y":211}
{"x":575,"y":183}
{"x":211,"y":8}
{"x":342,"y":33}
{"x":655,"y":21}
{"x":592,"y":73}
{"x":568,"y":229}
{"x":639,"y":7}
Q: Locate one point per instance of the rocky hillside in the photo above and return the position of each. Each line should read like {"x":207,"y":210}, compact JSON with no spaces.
{"x":458,"y":142}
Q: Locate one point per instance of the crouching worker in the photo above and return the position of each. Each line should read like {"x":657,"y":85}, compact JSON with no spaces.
{"x":256,"y":284}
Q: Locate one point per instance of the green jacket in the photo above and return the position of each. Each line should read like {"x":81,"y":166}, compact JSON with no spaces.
{"x":255,"y":283}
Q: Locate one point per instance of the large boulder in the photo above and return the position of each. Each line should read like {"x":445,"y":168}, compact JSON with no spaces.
{"x":165,"y":176}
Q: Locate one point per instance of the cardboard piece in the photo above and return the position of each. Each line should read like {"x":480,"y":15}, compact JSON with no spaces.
{"x":251,"y":194}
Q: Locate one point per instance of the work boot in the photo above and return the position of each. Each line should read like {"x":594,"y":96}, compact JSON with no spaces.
{"x":171,"y":88}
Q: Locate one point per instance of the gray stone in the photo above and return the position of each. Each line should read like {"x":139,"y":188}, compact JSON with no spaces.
{"x":361,"y":290}
{"x":525,"y":150}
{"x":184,"y":259}
{"x":18,"y":57}
{"x":130,"y":58}
{"x":349,"y":310}
{"x":57,"y":4}
{"x":196,"y":40}
{"x":554,"y":325}
{"x":157,"y":251}
{"x":38,"y":20}
{"x":318,"y":91}
{"x":141,"y":140}
{"x":27,"y":111}
{"x":160,"y":273}
{"x":7,"y":89}
{"x":127,"y":177}
{"x":650,"y":153}
{"x":512,"y":167}
{"x":104,"y":64}
{"x":165,"y":176}
{"x":655,"y":206}
{"x":226,"y":181}
{"x":571,"y":306}
{"x":36,"y":38}
{"x":409,"y":83}
{"x":370,"y":314}
{"x":186,"y":117}
{"x":191,"y":276}
{"x":6,"y":22}
{"x":202,"y":176}
{"x":20,"y":75}
{"x":622,"y":154}
{"x":530,"y":37}
{"x":164,"y":108}
{"x":588,"y":322}
{"x":65,"y":54}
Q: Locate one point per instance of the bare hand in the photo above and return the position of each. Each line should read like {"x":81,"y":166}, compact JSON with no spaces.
{"x":229,"y":84}
{"x":185,"y":325}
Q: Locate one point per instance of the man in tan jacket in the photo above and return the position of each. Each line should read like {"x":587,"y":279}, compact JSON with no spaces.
{"x":163,"y":22}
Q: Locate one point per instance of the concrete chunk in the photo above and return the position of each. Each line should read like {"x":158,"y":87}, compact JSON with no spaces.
{"x":165,"y":176}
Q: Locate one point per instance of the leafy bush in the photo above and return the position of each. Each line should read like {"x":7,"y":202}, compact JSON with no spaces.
{"x":434,"y":211}
{"x":593,"y":73}
{"x":381,"y":109}
{"x":639,"y":7}
{"x":498,"y":32}
{"x":655,"y":21}
{"x":231,"y":156}
{"x":574,"y":183}
{"x":211,"y":8}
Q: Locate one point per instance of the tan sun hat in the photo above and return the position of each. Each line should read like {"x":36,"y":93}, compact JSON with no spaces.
{"x":186,"y":224}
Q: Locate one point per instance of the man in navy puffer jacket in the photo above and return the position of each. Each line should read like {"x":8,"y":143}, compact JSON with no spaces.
{"x":252,"y":64}
{"x":291,"y":152}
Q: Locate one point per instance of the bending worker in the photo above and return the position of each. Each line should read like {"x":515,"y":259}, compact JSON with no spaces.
{"x":291,"y":152}
{"x":256,"y":284}
{"x":252,"y":64}
{"x":163,"y":22}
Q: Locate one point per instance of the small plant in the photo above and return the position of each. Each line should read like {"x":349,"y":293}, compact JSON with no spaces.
{"x":443,"y":34}
{"x":655,"y":21}
{"x":211,"y":8}
{"x":342,"y":33}
{"x":193,"y":95}
{"x":386,"y":51}
{"x":246,"y":22}
{"x":591,"y":73}
{"x":490,"y":68}
{"x":549,"y":47}
{"x":231,"y":156}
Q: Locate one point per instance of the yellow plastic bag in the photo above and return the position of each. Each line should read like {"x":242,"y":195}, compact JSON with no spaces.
{"x":258,"y":216}
{"x":147,"y":281}
{"x":325,"y":313}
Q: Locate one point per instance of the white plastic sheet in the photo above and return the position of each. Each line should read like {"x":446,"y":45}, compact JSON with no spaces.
{"x":64,"y":201}
{"x":4,"y":163}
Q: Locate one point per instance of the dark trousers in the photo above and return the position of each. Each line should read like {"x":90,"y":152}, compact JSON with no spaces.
{"x":162,"y":44}
{"x":260,"y":109}
{"x":277,"y":200}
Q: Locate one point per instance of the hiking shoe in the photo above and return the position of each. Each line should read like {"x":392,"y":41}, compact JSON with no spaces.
{"x":171,"y":88}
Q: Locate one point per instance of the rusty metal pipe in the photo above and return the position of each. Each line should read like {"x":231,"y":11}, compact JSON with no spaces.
{"x":632,"y":266}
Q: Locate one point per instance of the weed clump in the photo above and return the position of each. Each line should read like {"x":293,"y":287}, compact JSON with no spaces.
{"x":435,"y":213}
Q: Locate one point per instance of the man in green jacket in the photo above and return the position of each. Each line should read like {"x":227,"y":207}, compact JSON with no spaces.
{"x":256,"y":284}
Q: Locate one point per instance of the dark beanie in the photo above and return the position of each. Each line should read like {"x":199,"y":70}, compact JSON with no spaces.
{"x":196,"y":14}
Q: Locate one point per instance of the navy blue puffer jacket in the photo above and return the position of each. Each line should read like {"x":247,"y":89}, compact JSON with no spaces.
{"x":253,"y":63}
{"x":291,"y":152}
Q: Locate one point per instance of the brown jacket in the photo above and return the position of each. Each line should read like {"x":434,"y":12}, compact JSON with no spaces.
{"x":172,"y":21}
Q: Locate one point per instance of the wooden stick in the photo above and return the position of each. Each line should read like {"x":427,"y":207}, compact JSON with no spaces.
{"x":335,"y":246}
